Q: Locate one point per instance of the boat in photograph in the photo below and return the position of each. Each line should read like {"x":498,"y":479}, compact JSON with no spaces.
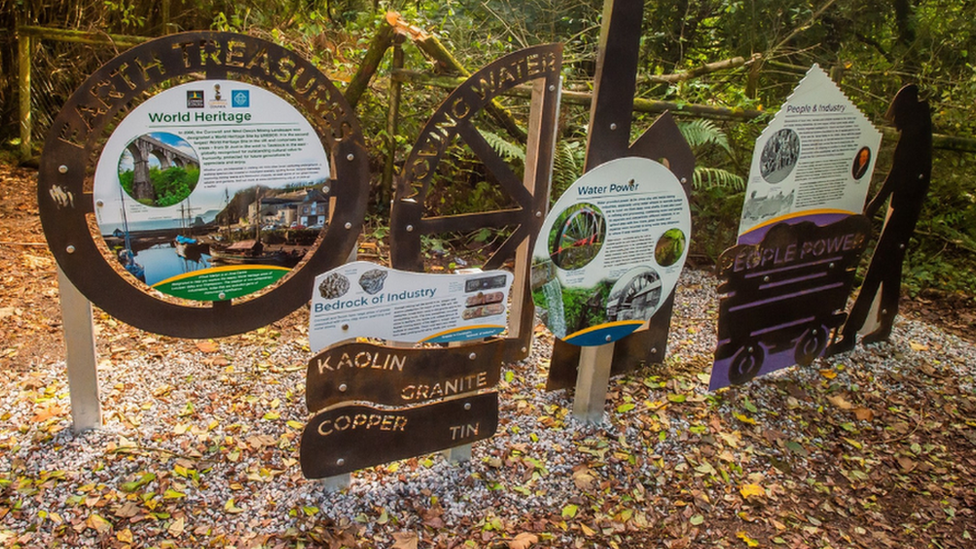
{"x":252,"y":252}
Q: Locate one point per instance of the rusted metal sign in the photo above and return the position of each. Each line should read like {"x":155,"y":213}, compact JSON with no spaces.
{"x":907,"y":184}
{"x":609,"y":134}
{"x":353,"y":437}
{"x":79,"y":133}
{"x":783,"y":297}
{"x":663,"y":140}
{"x":411,"y":215}
{"x":395,"y":376}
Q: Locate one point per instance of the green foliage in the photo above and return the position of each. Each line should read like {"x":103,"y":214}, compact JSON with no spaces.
{"x":173,"y":184}
{"x":706,"y":177}
{"x":701,"y":133}
{"x":942,"y":253}
{"x":870,"y":47}
{"x":567,"y":165}
{"x":715,"y":215}
{"x":509,"y":151}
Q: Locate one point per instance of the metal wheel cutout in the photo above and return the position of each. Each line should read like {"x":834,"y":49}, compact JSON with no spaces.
{"x":811,"y":345}
{"x":410,"y":218}
{"x":746,"y":364}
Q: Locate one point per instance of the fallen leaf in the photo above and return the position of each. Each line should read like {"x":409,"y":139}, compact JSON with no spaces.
{"x":918,"y":346}
{"x":176,"y":528}
{"x":752,"y":490}
{"x":231,"y":507}
{"x":207,"y":346}
{"x":744,"y":418}
{"x":99,"y":524}
{"x":745,"y":537}
{"x":829,"y":374}
{"x":46,"y":413}
{"x":907,"y":464}
{"x":569,"y":511}
{"x":584,"y":479}
{"x":864,"y":414}
{"x":405,"y":540}
{"x":125,"y":536}
{"x":128,"y":510}
{"x":523,"y":541}
{"x":854,"y":443}
{"x":840,"y":402}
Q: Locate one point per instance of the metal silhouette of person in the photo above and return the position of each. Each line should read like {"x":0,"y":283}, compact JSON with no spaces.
{"x":907,"y":184}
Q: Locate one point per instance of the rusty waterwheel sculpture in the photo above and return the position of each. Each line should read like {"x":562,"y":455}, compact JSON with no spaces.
{"x":412,"y":217}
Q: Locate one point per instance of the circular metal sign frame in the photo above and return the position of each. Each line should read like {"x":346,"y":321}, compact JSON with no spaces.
{"x":92,"y":112}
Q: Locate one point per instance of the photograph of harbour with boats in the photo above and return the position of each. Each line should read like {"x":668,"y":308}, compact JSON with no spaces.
{"x":258,"y":225}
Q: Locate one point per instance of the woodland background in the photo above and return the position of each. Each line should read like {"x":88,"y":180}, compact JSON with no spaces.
{"x":870,"y":47}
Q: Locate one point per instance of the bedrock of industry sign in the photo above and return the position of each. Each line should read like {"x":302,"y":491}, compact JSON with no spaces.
{"x":377,"y":300}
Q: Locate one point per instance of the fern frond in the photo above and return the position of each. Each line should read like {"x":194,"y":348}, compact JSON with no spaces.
{"x":567,"y":165}
{"x":706,"y":178}
{"x":507,"y":150}
{"x":701,"y":132}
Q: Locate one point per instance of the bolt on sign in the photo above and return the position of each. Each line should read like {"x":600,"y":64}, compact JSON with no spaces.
{"x":227,"y":171}
{"x":370,"y":403}
{"x":785,"y":285}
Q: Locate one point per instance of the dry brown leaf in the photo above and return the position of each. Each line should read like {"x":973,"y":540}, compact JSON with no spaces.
{"x":46,"y":413}
{"x":918,"y":346}
{"x":129,"y":509}
{"x":583,"y":479}
{"x":864,"y":414}
{"x":405,"y":540}
{"x":840,"y":402}
{"x":907,"y":464}
{"x":207,"y":346}
{"x":260,"y":441}
{"x":523,"y":541}
{"x":176,"y":528}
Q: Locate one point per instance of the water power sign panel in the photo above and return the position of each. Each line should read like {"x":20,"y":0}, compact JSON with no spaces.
{"x":610,"y":251}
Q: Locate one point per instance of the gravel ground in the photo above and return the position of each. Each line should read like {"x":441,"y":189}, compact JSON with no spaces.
{"x":200,"y":448}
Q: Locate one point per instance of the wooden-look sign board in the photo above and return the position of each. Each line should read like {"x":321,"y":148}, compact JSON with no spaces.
{"x":433,"y":399}
{"x":785,"y":286}
{"x":373,"y":403}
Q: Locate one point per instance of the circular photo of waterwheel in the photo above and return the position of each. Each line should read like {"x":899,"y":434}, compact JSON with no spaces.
{"x":577,"y":236}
